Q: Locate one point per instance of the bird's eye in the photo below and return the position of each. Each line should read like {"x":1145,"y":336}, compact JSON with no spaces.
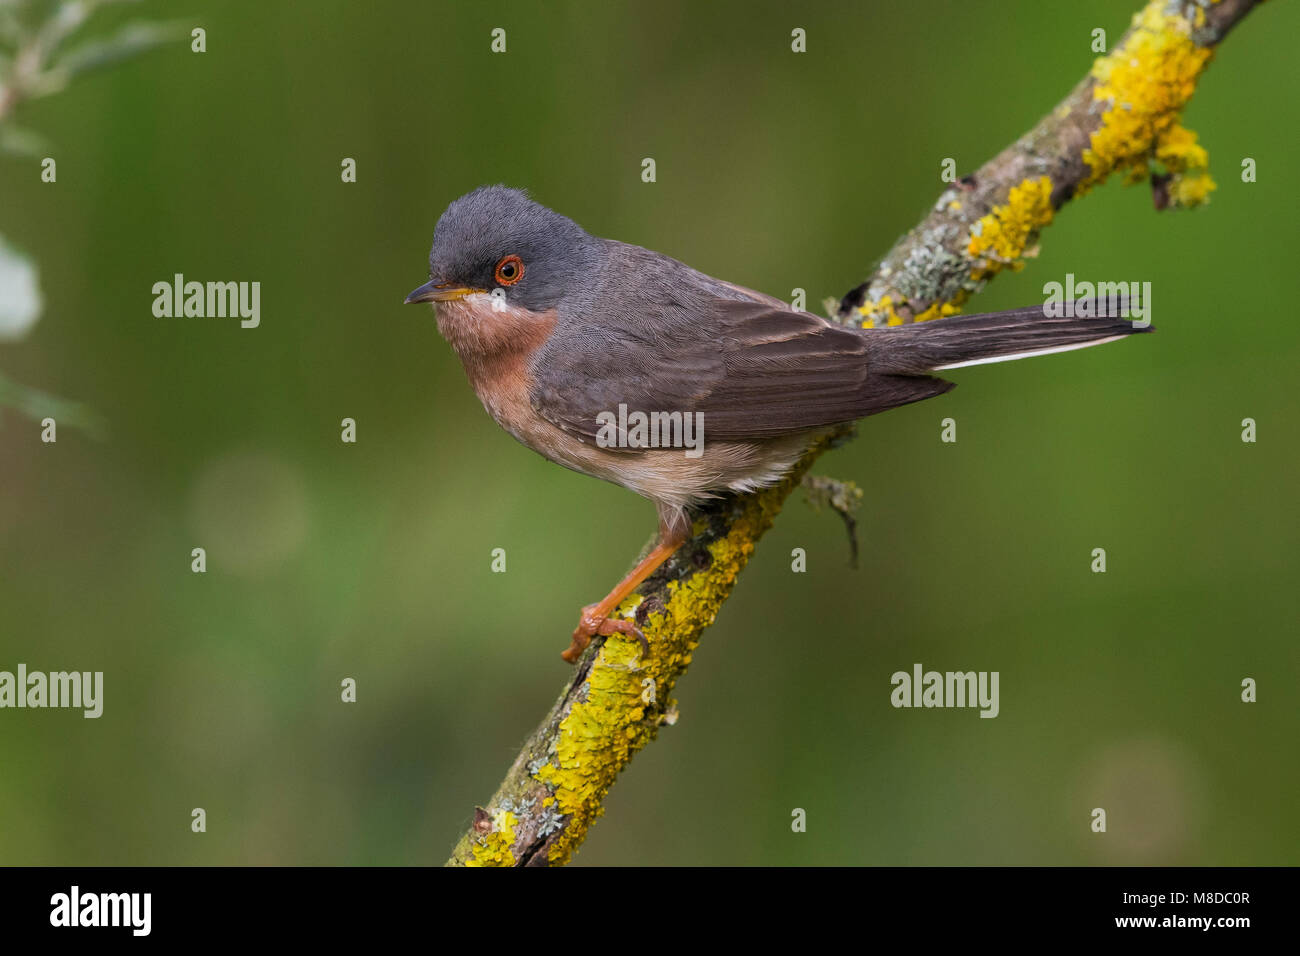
{"x":510,"y":270}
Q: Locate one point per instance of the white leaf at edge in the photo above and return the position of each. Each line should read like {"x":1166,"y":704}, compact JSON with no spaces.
{"x":20,"y":296}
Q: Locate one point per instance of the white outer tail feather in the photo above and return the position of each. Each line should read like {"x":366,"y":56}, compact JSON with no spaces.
{"x":993,"y":359}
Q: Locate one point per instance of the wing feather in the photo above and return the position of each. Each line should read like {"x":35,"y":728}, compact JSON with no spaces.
{"x":755,"y":369}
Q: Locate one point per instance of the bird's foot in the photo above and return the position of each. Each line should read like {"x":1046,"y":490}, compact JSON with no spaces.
{"x":591,"y":623}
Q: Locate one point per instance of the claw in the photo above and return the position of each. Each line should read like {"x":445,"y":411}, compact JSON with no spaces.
{"x":589,"y":626}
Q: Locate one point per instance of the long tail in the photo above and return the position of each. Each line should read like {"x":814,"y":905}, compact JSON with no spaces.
{"x":993,"y":337}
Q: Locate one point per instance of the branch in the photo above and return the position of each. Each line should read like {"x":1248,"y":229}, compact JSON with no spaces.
{"x":37,"y":405}
{"x":38,"y":66}
{"x":842,"y":497}
{"x":35,"y":62}
{"x":1123,"y":118}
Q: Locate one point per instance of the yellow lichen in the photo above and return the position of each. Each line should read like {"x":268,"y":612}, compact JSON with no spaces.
{"x":1187,"y":191}
{"x":999,"y":240}
{"x":1186,"y":159}
{"x":496,"y":848}
{"x":1145,"y":83}
{"x":1002,"y":239}
{"x":942,"y":310}
{"x":610,"y":722}
{"x":882,"y":313}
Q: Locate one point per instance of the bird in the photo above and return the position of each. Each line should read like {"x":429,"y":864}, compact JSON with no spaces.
{"x":566,"y":338}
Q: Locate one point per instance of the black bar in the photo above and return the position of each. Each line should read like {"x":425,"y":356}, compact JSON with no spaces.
{"x":239,"y":904}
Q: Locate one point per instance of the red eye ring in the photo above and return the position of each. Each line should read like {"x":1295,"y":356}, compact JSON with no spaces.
{"x":510,"y":270}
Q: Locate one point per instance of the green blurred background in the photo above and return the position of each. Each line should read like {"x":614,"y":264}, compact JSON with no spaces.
{"x":371,"y":561}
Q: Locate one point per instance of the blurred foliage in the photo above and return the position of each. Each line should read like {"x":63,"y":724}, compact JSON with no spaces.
{"x":39,"y":57}
{"x":372,"y":561}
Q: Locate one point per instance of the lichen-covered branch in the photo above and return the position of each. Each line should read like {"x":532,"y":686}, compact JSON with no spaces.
{"x":1125,"y":117}
{"x":619,"y":697}
{"x":842,"y":497}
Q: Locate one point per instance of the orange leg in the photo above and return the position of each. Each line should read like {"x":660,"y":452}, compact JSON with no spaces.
{"x":596,"y":617}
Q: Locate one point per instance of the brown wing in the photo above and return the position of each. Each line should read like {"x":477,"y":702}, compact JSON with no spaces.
{"x":753,"y":370}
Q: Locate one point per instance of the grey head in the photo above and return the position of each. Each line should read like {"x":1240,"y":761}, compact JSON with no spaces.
{"x":497,"y":238}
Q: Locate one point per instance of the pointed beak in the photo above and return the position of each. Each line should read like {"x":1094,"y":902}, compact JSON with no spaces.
{"x":434,"y":291}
